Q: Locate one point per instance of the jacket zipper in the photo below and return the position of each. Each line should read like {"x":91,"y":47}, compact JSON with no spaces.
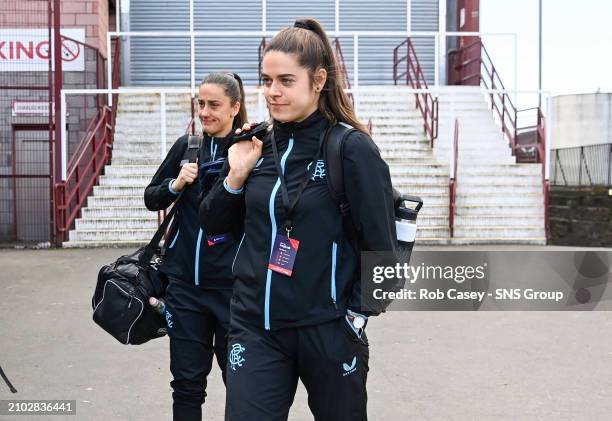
{"x":333,"y":273}
{"x":237,"y":250}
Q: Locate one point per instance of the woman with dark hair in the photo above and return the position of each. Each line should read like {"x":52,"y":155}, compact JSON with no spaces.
{"x":198,"y":265}
{"x":296,"y":312}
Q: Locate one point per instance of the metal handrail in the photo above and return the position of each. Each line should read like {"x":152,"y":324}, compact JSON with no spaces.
{"x":508,"y":113}
{"x":415,"y":78}
{"x":452,"y":182}
{"x":342,"y":63}
{"x":86,"y":169}
{"x":86,"y":166}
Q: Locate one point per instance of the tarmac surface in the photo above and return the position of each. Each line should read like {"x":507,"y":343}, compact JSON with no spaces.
{"x":423,"y":365}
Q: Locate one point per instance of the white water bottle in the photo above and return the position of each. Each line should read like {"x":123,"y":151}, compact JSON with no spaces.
{"x":405,"y":221}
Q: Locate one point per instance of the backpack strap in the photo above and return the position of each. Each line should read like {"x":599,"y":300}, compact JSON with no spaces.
{"x":334,"y":156}
{"x":333,"y":153}
{"x":193,"y":148}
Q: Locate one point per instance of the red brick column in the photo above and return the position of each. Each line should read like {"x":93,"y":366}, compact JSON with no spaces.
{"x":91,"y":15}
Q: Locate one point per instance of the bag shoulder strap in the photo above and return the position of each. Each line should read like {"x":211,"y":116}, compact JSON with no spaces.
{"x":334,"y":167}
{"x":191,"y":153}
{"x":193,"y":148}
{"x":334,"y":157}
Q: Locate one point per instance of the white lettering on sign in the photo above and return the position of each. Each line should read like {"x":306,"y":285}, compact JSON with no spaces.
{"x":27,"y":50}
{"x":30,"y":108}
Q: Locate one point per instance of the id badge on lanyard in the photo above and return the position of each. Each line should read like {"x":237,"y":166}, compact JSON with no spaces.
{"x":285,"y":248}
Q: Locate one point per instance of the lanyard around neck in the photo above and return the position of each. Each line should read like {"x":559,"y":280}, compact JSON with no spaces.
{"x":288,"y":205}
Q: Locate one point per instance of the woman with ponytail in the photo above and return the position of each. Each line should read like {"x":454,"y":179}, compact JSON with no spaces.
{"x":297,"y":312}
{"x":198,"y":265}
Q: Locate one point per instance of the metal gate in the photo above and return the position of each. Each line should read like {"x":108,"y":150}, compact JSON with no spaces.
{"x":30,"y":148}
{"x":25,"y":122}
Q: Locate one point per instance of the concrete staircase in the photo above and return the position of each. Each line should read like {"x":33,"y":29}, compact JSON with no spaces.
{"x":498,"y":201}
{"x":398,"y":132}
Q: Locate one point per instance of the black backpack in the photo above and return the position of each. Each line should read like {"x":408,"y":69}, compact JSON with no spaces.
{"x":120,"y":301}
{"x":334,"y":157}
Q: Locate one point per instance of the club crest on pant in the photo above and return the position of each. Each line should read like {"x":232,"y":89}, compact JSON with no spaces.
{"x":235,"y":356}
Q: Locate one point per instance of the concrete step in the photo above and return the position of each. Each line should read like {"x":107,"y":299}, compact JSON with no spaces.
{"x":517,"y":210}
{"x":490,"y":232}
{"x":476,"y":158}
{"x":493,"y":169}
{"x":433,"y":180}
{"x":153,"y":129}
{"x":432,"y":232}
{"x":429,"y":199}
{"x":118,"y":212}
{"x":508,"y":187}
{"x":479,"y":220}
{"x":150,"y":144}
{"x":419,"y":169}
{"x":539,"y":240}
{"x":395,"y":120}
{"x":140,"y":181}
{"x":394,"y":138}
{"x":428,"y":210}
{"x":104,"y":224}
{"x":505,"y":178}
{"x":127,"y":170}
{"x":497,"y":198}
{"x":105,"y":244}
{"x":134,"y":235}
{"x":407,"y":154}
{"x":116,"y":201}
{"x":119,"y":191}
{"x":412,"y":144}
{"x":136,"y":160}
{"x":384,"y":115}
{"x":398,"y":130}
{"x":137,"y":157}
{"x":460,"y":107}
{"x":432,"y":221}
{"x":408,"y":185}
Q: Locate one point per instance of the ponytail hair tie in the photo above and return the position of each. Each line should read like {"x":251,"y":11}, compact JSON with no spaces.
{"x":300,"y":24}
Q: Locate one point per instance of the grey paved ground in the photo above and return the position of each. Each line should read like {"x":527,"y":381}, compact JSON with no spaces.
{"x":424,"y":365}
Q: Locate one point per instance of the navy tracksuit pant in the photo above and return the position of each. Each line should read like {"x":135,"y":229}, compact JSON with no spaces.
{"x":263,"y":369}
{"x":198,"y":321}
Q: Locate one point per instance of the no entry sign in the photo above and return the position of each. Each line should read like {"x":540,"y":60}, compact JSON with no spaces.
{"x":27,"y":50}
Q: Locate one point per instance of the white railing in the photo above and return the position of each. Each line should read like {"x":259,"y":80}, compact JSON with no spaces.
{"x":355,"y":35}
{"x":162,"y":92}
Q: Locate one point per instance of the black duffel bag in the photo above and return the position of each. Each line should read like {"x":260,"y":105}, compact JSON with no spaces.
{"x":120,"y":301}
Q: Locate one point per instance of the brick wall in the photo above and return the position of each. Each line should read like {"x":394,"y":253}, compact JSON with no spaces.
{"x":581,"y":216}
{"x":91,"y":15}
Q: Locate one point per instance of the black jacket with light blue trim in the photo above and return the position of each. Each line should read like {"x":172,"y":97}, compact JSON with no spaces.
{"x":188,"y":245}
{"x":325,"y":281}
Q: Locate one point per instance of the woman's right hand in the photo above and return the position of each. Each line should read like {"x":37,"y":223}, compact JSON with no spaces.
{"x":242,"y":158}
{"x":188,"y":174}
